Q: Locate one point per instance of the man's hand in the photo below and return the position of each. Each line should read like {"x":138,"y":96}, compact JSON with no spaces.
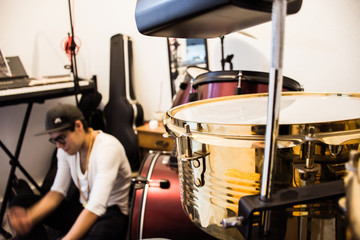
{"x":19,"y":220}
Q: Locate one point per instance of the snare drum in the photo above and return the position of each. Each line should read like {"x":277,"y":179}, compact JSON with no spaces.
{"x":156,"y":212}
{"x":220,"y":147}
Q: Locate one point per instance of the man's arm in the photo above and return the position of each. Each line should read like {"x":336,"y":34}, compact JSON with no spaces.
{"x":22,"y":220}
{"x":82,"y":225}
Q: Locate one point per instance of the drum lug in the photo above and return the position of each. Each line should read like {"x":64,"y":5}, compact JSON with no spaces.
{"x":197,"y":159}
{"x":238,"y":90}
{"x":198,"y":163}
{"x":199,"y":166}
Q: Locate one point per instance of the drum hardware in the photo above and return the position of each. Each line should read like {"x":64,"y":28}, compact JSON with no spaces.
{"x":140,"y":182}
{"x":350,"y":204}
{"x":272,"y":124}
{"x":197,"y":158}
{"x":307,"y":175}
{"x":248,"y":220}
{"x":307,"y":172}
{"x":232,"y":222}
{"x":193,"y":96}
{"x":337,"y":170}
{"x":335,"y":150}
{"x":279,"y":8}
{"x":238,"y":88}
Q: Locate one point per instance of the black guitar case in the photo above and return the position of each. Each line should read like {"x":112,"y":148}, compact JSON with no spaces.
{"x":138,"y":110}
{"x":120,"y":112}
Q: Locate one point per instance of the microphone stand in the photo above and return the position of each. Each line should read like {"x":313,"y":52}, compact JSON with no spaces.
{"x":222,"y":53}
{"x":228,"y":57}
{"x":73,"y":66}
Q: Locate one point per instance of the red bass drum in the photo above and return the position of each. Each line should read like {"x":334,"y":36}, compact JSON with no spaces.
{"x":156,"y":210}
{"x":185,"y":92}
{"x":225,"y":83}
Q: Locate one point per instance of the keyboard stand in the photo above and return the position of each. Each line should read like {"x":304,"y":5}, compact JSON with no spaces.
{"x":14,"y":161}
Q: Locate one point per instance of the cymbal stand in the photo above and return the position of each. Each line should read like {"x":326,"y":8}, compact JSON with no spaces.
{"x":228,"y":58}
{"x":73,"y":66}
{"x":222,"y":53}
{"x":279,"y":8}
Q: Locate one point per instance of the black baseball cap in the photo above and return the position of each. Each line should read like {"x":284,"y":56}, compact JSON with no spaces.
{"x":61,"y":117}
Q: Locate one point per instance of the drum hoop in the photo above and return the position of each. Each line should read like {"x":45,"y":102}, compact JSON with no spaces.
{"x":250,"y":76}
{"x":145,"y":194}
{"x":289,"y":134}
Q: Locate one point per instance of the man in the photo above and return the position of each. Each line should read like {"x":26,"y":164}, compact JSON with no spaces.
{"x":98,"y":165}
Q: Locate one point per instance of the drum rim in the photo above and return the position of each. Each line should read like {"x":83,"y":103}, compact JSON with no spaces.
{"x":251,"y":76}
{"x":290,"y":134}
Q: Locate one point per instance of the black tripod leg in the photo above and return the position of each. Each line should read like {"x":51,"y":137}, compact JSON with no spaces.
{"x":6,"y":199}
{"x":5,"y":233}
{"x":15,"y":162}
{"x":13,"y":166}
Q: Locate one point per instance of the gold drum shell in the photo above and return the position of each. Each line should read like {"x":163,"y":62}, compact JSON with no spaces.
{"x":220,"y":147}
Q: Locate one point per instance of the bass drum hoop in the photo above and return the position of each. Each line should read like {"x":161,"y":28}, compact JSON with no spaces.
{"x":251,"y":76}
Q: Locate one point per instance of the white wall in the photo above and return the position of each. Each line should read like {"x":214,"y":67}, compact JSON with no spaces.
{"x":322,"y":52}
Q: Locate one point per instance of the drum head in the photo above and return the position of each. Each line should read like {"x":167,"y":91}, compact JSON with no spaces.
{"x":246,"y":115}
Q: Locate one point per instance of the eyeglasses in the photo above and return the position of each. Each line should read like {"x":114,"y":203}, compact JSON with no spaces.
{"x":59,"y":139}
